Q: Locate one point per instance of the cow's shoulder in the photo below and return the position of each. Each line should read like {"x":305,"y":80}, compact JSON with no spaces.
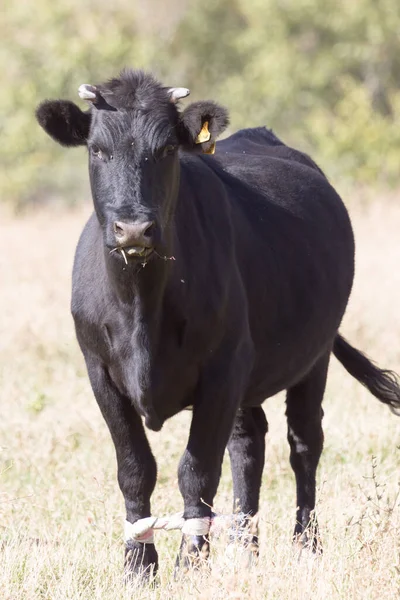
{"x":88,"y":263}
{"x":90,"y":299}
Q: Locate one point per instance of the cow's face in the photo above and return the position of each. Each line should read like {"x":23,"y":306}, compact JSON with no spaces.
{"x":133,"y":131}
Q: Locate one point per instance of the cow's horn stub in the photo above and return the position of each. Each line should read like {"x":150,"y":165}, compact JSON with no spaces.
{"x":176,"y":94}
{"x":87,"y":92}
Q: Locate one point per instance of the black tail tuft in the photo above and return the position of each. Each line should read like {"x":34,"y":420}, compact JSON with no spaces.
{"x":383,"y":384}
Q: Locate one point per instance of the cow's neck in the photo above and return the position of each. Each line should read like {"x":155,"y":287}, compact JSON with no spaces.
{"x":140,"y":293}
{"x":139,"y":288}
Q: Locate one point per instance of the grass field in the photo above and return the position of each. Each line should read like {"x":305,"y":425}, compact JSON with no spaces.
{"x":61,"y":512}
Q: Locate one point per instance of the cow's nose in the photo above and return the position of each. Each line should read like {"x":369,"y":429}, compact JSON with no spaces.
{"x":134,"y":233}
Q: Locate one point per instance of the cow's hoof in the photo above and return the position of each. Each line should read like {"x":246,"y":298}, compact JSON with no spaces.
{"x":307,"y":542}
{"x":193,"y":553}
{"x":141,"y":563}
{"x":243,"y":548}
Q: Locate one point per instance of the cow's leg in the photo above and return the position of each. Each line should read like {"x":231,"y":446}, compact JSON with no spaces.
{"x":246,"y":448}
{"x":216,"y":403}
{"x":304,"y":415}
{"x":137,"y":470}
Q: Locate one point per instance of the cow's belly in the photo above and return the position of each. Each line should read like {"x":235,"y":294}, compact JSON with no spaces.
{"x":274,"y":374}
{"x":284,"y":355}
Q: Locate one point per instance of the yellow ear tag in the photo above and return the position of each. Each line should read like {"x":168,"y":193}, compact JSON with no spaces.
{"x":211,"y":149}
{"x":204,"y":134}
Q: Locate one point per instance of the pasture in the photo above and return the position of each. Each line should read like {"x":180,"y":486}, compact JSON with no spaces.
{"x":61,"y":512}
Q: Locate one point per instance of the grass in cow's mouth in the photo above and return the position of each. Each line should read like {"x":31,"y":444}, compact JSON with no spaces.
{"x":164,"y":257}
{"x":121,"y":250}
{"x":133,"y":252}
{"x":144,"y":253}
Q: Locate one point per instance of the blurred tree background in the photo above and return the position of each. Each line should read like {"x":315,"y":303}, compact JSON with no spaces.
{"x":324,"y":74}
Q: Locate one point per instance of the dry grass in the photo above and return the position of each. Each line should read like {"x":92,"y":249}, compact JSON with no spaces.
{"x":61,"y":512}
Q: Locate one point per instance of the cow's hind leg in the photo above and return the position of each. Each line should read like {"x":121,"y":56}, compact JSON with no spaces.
{"x":304,"y":415}
{"x":246,"y":448}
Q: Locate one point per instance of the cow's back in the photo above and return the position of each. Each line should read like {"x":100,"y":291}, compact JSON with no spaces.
{"x":260,"y":141}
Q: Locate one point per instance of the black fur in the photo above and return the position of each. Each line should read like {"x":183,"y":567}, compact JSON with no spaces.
{"x":242,"y":297}
{"x":136,"y":90}
{"x":263,"y":141}
{"x":64,"y":122}
{"x":382,"y":384}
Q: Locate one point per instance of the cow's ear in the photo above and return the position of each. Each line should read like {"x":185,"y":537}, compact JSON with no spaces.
{"x":64,"y":121}
{"x":200,"y":125}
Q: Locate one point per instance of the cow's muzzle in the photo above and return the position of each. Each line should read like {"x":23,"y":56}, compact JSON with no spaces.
{"x":134,"y":239}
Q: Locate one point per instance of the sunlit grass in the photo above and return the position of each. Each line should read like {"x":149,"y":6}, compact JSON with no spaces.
{"x":61,"y":513}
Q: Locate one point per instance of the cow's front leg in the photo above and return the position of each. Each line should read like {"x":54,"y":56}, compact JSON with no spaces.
{"x":137,"y":470}
{"x":214,"y":412}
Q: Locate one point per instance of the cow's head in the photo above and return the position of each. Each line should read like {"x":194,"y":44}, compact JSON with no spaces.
{"x":133,"y":130}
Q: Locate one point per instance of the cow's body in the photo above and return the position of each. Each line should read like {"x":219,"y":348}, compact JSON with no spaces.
{"x":247,"y":269}
{"x":260,"y":263}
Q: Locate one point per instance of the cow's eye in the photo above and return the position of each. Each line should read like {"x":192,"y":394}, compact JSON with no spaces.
{"x":97,"y":152}
{"x":167,"y":150}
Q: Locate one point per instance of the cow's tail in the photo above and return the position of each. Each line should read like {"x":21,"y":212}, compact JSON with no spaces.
{"x":383,"y":384}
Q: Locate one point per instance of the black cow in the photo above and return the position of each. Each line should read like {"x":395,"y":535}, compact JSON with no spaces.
{"x":206,"y":281}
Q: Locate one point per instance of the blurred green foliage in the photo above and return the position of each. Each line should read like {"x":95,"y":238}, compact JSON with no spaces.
{"x":324,"y":74}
